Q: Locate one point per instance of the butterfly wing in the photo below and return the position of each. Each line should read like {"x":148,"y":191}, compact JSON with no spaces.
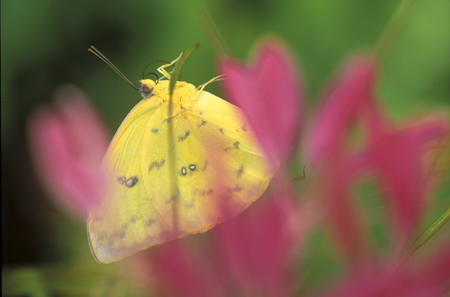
{"x":174,"y":176}
{"x":219,"y":168}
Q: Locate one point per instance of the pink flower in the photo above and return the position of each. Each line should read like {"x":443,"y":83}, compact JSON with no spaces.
{"x":327,"y":147}
{"x":429,"y":279}
{"x":396,"y":157}
{"x":339,"y":108}
{"x":249,"y":255}
{"x":256,"y":248}
{"x":68,"y":143}
{"x":393,"y":155}
{"x":270,"y":95}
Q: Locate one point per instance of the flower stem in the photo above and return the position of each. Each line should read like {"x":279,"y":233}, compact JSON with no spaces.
{"x":393,"y":28}
{"x":213,"y":33}
{"x":431,"y":231}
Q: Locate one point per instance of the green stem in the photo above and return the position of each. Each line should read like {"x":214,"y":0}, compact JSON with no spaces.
{"x":431,"y":231}
{"x":212,"y":33}
{"x":175,"y":75}
{"x":171,"y":137}
{"x":393,"y":28}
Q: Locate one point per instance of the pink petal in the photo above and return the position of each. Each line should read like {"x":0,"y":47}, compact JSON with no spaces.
{"x":327,"y":145}
{"x":255,"y":249}
{"x":341,"y":214}
{"x":68,"y":143}
{"x":397,"y":158}
{"x":339,"y":107}
{"x":180,"y":271}
{"x":270,"y":95}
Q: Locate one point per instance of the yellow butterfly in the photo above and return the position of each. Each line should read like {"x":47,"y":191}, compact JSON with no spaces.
{"x":174,"y":163}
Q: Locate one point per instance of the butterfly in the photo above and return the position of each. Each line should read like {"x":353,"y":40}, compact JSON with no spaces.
{"x":182,"y":161}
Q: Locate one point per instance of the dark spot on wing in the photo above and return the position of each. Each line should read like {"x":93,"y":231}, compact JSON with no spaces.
{"x":175,"y":196}
{"x":192,"y":167}
{"x":237,"y":188}
{"x":221,"y":131}
{"x":155,"y":130}
{"x":240,"y":171}
{"x":131,"y":181}
{"x":183,"y":171}
{"x":200,"y":113}
{"x":156,"y":165}
{"x":201,"y":124}
{"x":235,"y":146}
{"x":150,"y":222}
{"x":122,"y":180}
{"x":203,"y":193}
{"x":183,"y":138}
{"x":244,"y":128}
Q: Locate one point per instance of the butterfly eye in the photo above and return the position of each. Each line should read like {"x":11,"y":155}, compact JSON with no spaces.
{"x":146,"y":88}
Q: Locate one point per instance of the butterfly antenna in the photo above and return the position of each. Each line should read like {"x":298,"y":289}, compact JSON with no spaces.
{"x":156,"y":75}
{"x":156,"y":61}
{"x":102,"y":57}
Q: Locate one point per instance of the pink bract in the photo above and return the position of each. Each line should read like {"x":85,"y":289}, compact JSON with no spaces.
{"x":270,"y":94}
{"x":68,"y":143}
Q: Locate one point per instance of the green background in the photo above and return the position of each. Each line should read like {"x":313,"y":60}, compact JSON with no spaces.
{"x":44,"y":44}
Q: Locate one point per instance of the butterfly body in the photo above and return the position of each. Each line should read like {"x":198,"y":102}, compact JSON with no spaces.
{"x":177,"y":165}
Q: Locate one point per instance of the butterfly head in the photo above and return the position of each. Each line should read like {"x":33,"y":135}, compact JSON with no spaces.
{"x":146,"y":88}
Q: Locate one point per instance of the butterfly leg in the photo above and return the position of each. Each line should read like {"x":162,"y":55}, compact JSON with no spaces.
{"x":217,"y":78}
{"x":163,"y":70}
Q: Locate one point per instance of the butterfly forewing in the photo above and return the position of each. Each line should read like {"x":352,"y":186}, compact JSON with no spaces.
{"x":172,"y":176}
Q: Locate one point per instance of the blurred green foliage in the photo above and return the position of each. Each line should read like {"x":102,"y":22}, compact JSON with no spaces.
{"x":44,"y":44}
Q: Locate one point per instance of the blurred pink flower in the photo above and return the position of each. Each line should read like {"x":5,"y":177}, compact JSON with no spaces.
{"x":339,"y":108}
{"x":396,"y":157}
{"x":328,"y":152}
{"x":257,"y":248}
{"x":68,"y":142}
{"x":430,"y":279}
{"x":249,"y":256}
{"x":393,"y":155}
{"x":270,"y":94}
{"x":252,"y":255}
